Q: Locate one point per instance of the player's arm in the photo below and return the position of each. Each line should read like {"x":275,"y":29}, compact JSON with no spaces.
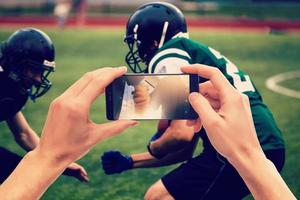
{"x":146,"y":160}
{"x":24,"y":135}
{"x":177,"y":136}
{"x":115,"y":162}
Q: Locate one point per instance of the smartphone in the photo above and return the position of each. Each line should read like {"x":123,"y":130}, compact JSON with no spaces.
{"x":151,"y":96}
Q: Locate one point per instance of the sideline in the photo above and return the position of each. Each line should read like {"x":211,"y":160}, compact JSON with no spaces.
{"x":273,"y":83}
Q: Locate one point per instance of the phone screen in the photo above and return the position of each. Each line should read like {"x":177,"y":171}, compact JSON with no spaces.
{"x":151,"y":96}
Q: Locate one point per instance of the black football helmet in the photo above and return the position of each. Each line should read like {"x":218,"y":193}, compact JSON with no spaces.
{"x":28,"y":49}
{"x":148,"y":28}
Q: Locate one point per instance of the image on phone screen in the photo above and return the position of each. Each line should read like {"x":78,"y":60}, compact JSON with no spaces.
{"x":150,"y":96}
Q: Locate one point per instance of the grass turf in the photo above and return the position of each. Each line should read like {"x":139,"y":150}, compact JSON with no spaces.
{"x":78,"y":51}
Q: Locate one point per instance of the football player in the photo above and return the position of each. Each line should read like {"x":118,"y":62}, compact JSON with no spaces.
{"x":26,"y":60}
{"x":158,"y":42}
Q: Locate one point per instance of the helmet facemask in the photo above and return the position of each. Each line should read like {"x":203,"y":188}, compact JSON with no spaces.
{"x":28,"y":84}
{"x":133,"y":59}
{"x":143,"y":48}
{"x":39,"y":88}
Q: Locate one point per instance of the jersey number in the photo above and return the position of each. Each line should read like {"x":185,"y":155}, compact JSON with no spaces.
{"x":240,"y":81}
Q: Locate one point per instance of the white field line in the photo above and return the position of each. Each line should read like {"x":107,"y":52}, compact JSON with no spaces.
{"x":273,"y":83}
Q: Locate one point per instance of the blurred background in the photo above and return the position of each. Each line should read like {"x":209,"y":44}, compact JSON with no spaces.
{"x":262,"y":37}
{"x":97,"y":12}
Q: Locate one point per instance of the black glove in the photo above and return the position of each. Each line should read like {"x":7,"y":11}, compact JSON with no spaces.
{"x":114,"y":162}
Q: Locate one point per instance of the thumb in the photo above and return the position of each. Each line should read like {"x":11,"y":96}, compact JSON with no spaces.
{"x":104,"y":131}
{"x":206,"y":113}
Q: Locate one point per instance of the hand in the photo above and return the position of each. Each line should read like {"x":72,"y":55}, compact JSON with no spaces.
{"x":226,"y":116}
{"x":76,"y":171}
{"x":141,"y":97}
{"x":115,"y":162}
{"x":69,"y":132}
{"x":227,"y":120}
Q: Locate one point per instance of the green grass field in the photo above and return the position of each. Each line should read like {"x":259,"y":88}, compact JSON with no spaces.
{"x":259,"y":54}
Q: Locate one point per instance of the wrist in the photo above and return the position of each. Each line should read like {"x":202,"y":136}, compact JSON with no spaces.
{"x":247,"y":161}
{"x":33,"y":175}
{"x":50,"y":159}
{"x":130,"y":162}
{"x":261,"y":177}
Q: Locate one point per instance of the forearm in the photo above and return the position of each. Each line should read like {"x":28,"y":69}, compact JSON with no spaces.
{"x":261,"y":177}
{"x":28,"y":141}
{"x":24,"y":135}
{"x":145,"y":160}
{"x":32,"y":177}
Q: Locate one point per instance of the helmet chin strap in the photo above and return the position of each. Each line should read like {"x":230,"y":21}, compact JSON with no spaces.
{"x":163,"y":35}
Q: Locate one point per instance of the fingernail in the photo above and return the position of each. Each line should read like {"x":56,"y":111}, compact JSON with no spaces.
{"x":134,"y":123}
{"x":193,"y":96}
{"x":183,"y":67}
{"x":123,"y":68}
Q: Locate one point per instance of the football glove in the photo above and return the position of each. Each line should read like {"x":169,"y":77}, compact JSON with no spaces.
{"x":114,"y":162}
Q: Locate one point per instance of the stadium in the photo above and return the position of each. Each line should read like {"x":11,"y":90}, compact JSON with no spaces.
{"x":261,"y":37}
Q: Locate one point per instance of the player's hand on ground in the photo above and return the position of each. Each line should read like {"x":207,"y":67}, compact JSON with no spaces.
{"x":114,"y":162}
{"x":228,"y":121}
{"x":141,"y":97}
{"x":77,"y":171}
{"x":69,"y":133}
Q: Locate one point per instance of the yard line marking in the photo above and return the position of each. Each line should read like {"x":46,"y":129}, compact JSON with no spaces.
{"x":272,"y":83}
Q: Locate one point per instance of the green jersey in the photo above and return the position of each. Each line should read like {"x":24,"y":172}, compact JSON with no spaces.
{"x":182,"y":51}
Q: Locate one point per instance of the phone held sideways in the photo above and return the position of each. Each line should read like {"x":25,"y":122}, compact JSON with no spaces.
{"x":151,"y":96}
